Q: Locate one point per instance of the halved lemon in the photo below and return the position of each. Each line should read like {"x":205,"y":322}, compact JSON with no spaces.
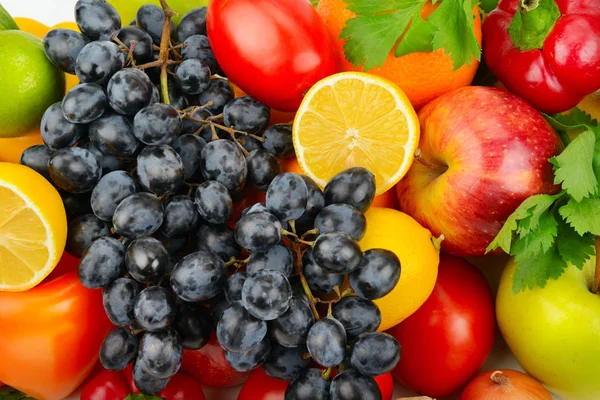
{"x":33,"y":227}
{"x":356,"y":119}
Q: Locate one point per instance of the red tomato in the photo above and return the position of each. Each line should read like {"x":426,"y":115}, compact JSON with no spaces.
{"x":274,"y":50}
{"x":386,"y":385}
{"x":445,"y":343}
{"x":209,"y":366}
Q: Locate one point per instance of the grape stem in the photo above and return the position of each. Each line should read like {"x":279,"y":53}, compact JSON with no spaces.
{"x":326,"y":374}
{"x":295,"y":237}
{"x":312,"y":301}
{"x":163,"y":55}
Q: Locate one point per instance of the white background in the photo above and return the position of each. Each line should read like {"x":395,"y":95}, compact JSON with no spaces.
{"x":51,"y":12}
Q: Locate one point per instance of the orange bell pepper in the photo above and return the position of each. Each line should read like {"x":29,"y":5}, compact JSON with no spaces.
{"x":50,"y":336}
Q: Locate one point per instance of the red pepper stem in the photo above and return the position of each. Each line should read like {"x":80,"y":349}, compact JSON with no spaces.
{"x":532,"y":23}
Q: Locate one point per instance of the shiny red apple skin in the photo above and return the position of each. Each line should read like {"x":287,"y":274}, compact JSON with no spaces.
{"x":491,"y":150}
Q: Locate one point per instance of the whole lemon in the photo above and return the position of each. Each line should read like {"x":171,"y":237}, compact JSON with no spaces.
{"x":29,"y":83}
{"x":419,"y":259}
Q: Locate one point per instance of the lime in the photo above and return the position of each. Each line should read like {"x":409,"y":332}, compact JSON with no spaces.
{"x":29,"y":83}
{"x":128,"y":8}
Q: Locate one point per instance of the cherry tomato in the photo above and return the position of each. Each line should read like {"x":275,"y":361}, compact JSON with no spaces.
{"x":445,"y":343}
{"x":209,"y":366}
{"x":274,"y":50}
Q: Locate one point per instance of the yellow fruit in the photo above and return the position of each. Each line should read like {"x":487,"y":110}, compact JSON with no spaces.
{"x":356,"y":119}
{"x":33,"y":227}
{"x":591,"y":105}
{"x":419,"y":259}
{"x":12,"y":148}
{"x":67,"y":25}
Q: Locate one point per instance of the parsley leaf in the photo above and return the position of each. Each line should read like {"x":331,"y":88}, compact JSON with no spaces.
{"x":456,"y":34}
{"x":583,"y":216}
{"x":315,"y":3}
{"x":535,"y":268}
{"x":573,"y":248}
{"x":379,"y":25}
{"x":567,"y":122}
{"x":573,"y":167}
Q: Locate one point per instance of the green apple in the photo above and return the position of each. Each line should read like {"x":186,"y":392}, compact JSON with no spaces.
{"x":128,"y":8}
{"x":554,"y":332}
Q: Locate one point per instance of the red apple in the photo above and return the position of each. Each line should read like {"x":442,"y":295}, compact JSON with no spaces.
{"x":482,"y":152}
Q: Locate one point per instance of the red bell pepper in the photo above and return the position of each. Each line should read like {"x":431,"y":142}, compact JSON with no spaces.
{"x":546,"y":51}
{"x":109,"y":385}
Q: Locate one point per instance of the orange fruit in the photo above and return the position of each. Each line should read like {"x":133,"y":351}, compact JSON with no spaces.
{"x":67,"y":25}
{"x":33,"y":227}
{"x":12,"y":148}
{"x":422,"y":76}
{"x":32,"y":26}
{"x":419,"y":259}
{"x":354,"y":119}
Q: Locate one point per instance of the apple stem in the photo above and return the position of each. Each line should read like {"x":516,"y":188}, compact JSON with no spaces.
{"x":426,"y":163}
{"x":596,"y":287}
{"x":499,"y":378}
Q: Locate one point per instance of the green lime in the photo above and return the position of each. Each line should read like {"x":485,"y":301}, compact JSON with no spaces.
{"x":29,"y":83}
{"x":128,"y":8}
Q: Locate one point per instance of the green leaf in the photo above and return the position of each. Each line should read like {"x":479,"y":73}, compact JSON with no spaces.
{"x":531,"y":223}
{"x":488,"y":5}
{"x":573,"y":167}
{"x":505,"y":236}
{"x":418,"y":38}
{"x":530,"y":27}
{"x":567,"y":122}
{"x":142,"y":397}
{"x":456,"y":34}
{"x":8,"y":393}
{"x":535,"y":269}
{"x":572,"y":247}
{"x":315,"y":3}
{"x":6,"y":21}
{"x":583,"y":216}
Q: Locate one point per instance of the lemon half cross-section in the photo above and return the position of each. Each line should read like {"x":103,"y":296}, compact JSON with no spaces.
{"x":356,"y":119}
{"x":33,"y":227}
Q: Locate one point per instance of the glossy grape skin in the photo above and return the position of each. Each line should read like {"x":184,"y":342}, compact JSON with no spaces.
{"x":151,"y":18}
{"x":160,"y":353}
{"x":320,"y":281}
{"x":258,"y":207}
{"x":285,"y":362}
{"x":37,"y":158}
{"x":309,"y":384}
{"x":97,"y":19}
{"x":287,"y":196}
{"x":207,"y":56}
{"x":62,"y":46}
{"x":119,"y":298}
{"x":238,"y":330}
{"x":84,"y":103}
{"x":194,"y":325}
{"x":181,"y":217}
{"x":385,"y":346}
{"x":101,"y":262}
{"x":113,"y":188}
{"x":142,"y":52}
{"x":75,"y":204}
{"x":140,"y":214}
{"x":246,"y":114}
{"x":218,"y":305}
{"x":248,"y":143}
{"x":113,"y":134}
{"x":190,"y":126}
{"x":297,"y":289}
{"x":248,"y":360}
{"x":276,"y":258}
{"x":192,"y":23}
{"x":172,"y":245}
{"x":377,"y":274}
{"x":213,"y":202}
{"x":278,"y":140}
{"x":74,"y":169}
{"x":219,"y":239}
{"x":258,"y":231}
{"x":326,"y":342}
{"x":98,"y":61}
{"x":351,"y":385}
{"x":199,"y":276}
{"x":160,"y":169}
{"x":194,"y":45}
{"x":57,"y":132}
{"x":146,"y":260}
{"x":154,"y":308}
{"x":342,"y":218}
{"x":337,"y":253}
{"x":263,"y":167}
{"x":128,"y":91}
{"x":224,"y":162}
{"x":83,"y":231}
{"x":314,"y":205}
{"x":219,"y":91}
{"x":234,"y":285}
{"x":146,"y":383}
{"x":192,"y":76}
{"x":189,"y":148}
{"x":177,"y":98}
{"x":358,"y":315}
{"x":291,"y":328}
{"x":157,"y":124}
{"x":107,"y":162}
{"x":266,"y":294}
{"x":118,"y":350}
{"x":354,"y":186}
